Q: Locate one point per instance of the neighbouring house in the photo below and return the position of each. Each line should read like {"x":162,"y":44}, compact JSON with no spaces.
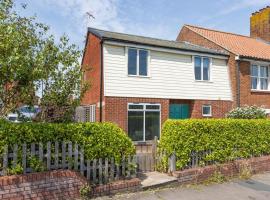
{"x":139,"y":82}
{"x":249,"y":57}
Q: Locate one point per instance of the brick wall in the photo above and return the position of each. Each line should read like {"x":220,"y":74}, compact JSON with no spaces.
{"x":91,"y":68}
{"x":59,"y":184}
{"x":197,"y":175}
{"x":116,"y":109}
{"x":248,"y":97}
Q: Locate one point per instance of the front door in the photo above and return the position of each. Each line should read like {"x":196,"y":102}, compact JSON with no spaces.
{"x":179,"y":111}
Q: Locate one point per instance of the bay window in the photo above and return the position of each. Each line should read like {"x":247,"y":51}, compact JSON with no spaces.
{"x":143,"y":121}
{"x":259,"y":77}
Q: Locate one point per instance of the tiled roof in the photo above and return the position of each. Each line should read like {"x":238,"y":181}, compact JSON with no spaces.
{"x":108,"y":35}
{"x":238,"y":44}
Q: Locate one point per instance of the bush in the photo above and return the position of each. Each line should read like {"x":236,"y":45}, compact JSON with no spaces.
{"x":248,"y":112}
{"x":100,"y":140}
{"x":227,"y":139}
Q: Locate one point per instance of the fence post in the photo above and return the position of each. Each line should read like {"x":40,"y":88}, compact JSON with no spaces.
{"x":5,"y":160}
{"x":172,"y":163}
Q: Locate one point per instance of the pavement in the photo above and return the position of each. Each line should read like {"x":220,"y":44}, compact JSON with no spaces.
{"x":155,"y":179}
{"x":256,"y":188}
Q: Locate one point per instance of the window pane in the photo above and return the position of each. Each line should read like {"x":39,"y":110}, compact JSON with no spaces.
{"x":140,"y":107}
{"x":152,"y":125}
{"x":254,"y":70}
{"x":152,"y":107}
{"x":132,"y":61}
{"x":135,"y":125}
{"x":197,"y":69}
{"x":264,"y":72}
{"x":143,"y":62}
{"x":206,"y":110}
{"x":206,"y":63}
{"x":254,"y":83}
{"x":264,"y":83}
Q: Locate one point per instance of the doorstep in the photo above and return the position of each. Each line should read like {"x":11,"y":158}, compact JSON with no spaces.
{"x":155,"y":179}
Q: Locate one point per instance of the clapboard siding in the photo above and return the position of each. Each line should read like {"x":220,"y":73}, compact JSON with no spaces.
{"x":171,"y":76}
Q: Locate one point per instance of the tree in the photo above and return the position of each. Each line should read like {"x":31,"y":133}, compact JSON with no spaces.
{"x":30,"y":58}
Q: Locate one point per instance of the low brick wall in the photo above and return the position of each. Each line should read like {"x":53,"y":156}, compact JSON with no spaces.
{"x":197,"y":175}
{"x":58,"y":184}
{"x":131,"y":185}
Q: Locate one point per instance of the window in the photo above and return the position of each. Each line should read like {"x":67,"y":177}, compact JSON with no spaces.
{"x":137,"y":62}
{"x":143,"y":121}
{"x":206,"y":110}
{"x":259,"y":77}
{"x":202,"y":68}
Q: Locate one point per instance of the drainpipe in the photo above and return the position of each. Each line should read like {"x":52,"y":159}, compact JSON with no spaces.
{"x":237,"y":59}
{"x":101,"y":80}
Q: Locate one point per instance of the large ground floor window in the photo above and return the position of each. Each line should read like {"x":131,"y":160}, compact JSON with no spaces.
{"x":143,"y":121}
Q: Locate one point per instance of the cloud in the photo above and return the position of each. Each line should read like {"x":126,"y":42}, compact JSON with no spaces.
{"x":241,"y":4}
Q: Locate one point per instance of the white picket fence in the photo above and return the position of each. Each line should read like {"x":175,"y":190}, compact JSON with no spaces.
{"x":65,"y":155}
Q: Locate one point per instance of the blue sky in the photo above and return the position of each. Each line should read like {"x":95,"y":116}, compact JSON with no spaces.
{"x":154,"y":18}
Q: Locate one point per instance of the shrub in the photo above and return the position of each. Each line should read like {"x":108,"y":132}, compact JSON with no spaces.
{"x":248,"y":112}
{"x":100,"y":140}
{"x":227,"y":139}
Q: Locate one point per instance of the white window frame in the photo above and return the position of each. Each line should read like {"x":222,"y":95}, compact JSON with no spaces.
{"x":210,"y":68}
{"x":259,"y":77}
{"x":138,"y":62}
{"x":144,"y":110}
{"x":207,"y":115}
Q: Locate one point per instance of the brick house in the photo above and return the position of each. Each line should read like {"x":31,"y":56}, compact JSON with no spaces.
{"x":249,"y":57}
{"x":139,"y":82}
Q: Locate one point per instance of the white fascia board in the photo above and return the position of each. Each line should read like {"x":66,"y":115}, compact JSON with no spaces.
{"x":167,"y":50}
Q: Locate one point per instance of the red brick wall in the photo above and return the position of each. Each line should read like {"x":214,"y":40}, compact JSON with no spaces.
{"x":91,"y":66}
{"x":219,"y":108}
{"x":116,"y":109}
{"x":197,"y":175}
{"x":248,"y":97}
{"x":59,"y":184}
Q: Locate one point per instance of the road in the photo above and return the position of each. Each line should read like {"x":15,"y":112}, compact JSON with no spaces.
{"x":257,"y":188}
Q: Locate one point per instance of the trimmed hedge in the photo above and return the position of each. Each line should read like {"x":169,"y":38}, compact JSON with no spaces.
{"x":228,"y":139}
{"x":100,"y":140}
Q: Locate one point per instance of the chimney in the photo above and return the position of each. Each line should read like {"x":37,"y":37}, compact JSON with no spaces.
{"x":260,"y":24}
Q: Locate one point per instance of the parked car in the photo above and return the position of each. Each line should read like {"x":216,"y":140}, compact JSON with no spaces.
{"x":23,"y":113}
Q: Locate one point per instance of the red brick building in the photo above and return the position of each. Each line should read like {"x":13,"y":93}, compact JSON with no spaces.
{"x":139,"y":82}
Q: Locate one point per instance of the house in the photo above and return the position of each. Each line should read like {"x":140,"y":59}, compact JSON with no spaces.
{"x":249,"y":57}
{"x":139,"y":82}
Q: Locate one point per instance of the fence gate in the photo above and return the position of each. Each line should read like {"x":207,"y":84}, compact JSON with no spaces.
{"x":146,"y":156}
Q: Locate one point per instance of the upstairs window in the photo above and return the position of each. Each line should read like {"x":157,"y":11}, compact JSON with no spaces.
{"x":137,"y":62}
{"x":202,"y":68}
{"x":259,"y":77}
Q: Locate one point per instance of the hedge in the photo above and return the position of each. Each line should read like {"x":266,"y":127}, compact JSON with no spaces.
{"x":100,"y":140}
{"x":228,"y":139}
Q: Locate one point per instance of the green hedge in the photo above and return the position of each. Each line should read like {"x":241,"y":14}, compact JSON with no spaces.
{"x":228,"y":139}
{"x":100,"y":140}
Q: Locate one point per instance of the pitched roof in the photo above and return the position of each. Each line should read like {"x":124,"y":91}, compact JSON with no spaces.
{"x":238,"y":44}
{"x":121,"y":37}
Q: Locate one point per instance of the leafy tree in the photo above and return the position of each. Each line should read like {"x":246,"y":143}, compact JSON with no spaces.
{"x":31,"y":59}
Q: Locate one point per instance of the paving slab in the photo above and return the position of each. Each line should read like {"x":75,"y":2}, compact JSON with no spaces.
{"x":155,"y":179}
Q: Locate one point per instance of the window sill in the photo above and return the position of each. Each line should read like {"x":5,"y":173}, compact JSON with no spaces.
{"x":147,"y":142}
{"x":207,"y":116}
{"x":201,"y":81}
{"x":138,"y":76}
{"x":260,"y":91}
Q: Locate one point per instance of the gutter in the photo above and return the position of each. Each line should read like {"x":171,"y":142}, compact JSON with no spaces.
{"x":101,"y":80}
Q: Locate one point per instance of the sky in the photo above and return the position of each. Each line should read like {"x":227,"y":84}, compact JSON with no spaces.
{"x":154,"y":18}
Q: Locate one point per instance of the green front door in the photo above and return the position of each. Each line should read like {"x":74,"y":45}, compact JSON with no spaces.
{"x":179,"y":111}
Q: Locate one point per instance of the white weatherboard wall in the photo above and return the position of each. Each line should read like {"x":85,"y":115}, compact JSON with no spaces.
{"x":171,"y":76}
